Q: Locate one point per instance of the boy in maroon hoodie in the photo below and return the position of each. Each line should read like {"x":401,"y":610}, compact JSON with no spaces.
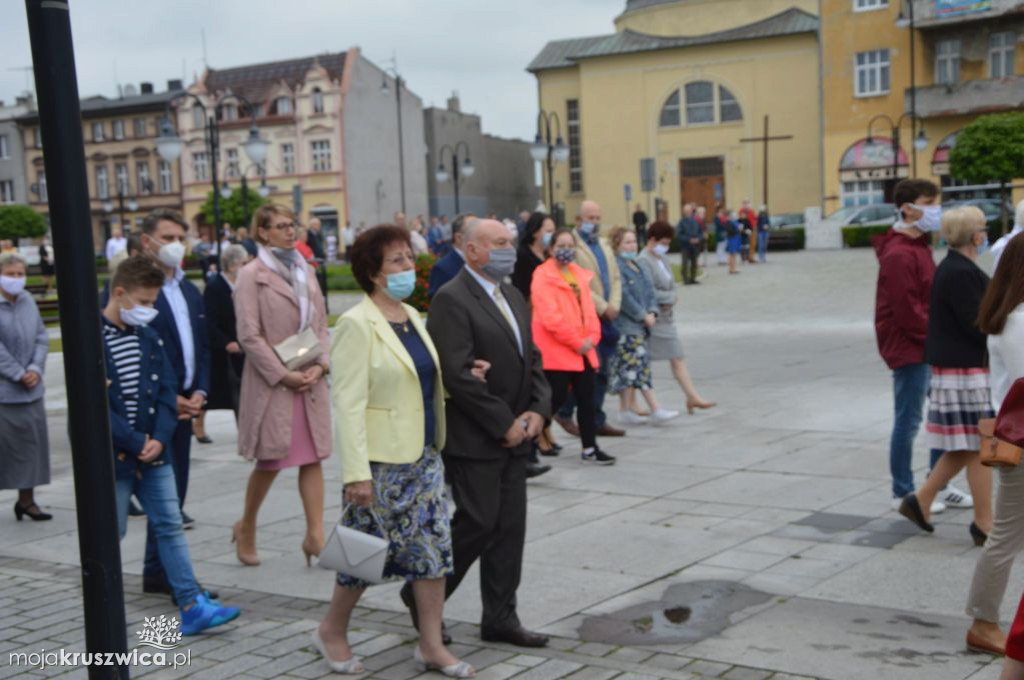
{"x":905,"y":276}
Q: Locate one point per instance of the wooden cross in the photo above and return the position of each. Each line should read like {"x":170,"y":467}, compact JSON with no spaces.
{"x":766,"y":139}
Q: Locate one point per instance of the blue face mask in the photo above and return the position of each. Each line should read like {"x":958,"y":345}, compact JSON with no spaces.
{"x":983,"y":248}
{"x":546,"y":238}
{"x":401,"y":284}
{"x":587,"y":228}
{"x":628,"y":255}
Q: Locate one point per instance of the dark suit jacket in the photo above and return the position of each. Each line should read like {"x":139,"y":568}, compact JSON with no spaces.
{"x":315,"y":241}
{"x":221,"y":329}
{"x":466,"y":324}
{"x":444,"y":270}
{"x":165,"y":327}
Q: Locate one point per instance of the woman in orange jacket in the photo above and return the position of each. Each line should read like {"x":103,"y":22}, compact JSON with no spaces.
{"x":566,"y":330}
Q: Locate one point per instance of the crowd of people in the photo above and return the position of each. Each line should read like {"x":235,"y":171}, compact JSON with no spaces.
{"x":952,"y":336}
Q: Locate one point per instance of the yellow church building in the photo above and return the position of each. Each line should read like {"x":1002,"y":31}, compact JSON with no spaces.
{"x":694,"y":85}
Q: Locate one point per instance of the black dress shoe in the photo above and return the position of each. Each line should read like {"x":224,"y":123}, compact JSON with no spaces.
{"x":518,"y":636}
{"x":159,"y":585}
{"x":186,"y":521}
{"x":607,"y":430}
{"x":410,"y":601}
{"x":911,"y":509}
{"x":536,"y":470}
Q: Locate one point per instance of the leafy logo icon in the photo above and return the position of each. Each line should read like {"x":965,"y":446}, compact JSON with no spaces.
{"x":160,"y":632}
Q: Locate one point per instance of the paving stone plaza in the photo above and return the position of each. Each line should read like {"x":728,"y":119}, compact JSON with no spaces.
{"x":752,"y":541}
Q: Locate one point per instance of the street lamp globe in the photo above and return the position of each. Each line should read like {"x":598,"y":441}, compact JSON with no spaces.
{"x":442,"y":174}
{"x":256,"y":147}
{"x":921,"y":141}
{"x":539,"y":150}
{"x":108,"y":207}
{"x":169,"y":145}
{"x":263,"y":191}
{"x":561,"y":151}
{"x":132,"y":205}
{"x":225,"y":191}
{"x":468,"y":169}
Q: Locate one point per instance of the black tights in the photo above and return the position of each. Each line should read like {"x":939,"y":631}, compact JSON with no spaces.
{"x":582,"y":383}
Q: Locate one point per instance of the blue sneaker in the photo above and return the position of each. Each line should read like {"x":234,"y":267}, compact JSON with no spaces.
{"x":206,"y":614}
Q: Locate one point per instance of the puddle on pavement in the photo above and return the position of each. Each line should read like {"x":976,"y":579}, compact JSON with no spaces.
{"x":687,"y":612}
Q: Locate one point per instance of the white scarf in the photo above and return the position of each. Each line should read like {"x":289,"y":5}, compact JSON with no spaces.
{"x":300,"y":286}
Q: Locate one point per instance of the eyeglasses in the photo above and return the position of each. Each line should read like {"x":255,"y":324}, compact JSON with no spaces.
{"x":283,"y":226}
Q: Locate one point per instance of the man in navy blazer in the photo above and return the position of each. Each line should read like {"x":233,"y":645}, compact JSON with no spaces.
{"x":449,"y":266}
{"x":181,"y":325}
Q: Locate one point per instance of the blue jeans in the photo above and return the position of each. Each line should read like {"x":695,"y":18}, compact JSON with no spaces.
{"x":158,"y":494}
{"x":762,"y":246}
{"x":177,"y":455}
{"x":910,"y":387}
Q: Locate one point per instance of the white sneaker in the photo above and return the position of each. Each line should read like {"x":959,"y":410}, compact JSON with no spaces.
{"x":955,"y":498}
{"x":630,"y":418}
{"x":938,"y":507}
{"x":662,"y":415}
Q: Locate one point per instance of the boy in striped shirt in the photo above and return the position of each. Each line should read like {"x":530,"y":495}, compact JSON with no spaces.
{"x":143,"y":416}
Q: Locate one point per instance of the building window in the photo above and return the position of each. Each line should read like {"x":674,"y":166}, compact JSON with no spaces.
{"x":198,"y":119}
{"x":700,"y":103}
{"x":121,"y":174}
{"x":728,"y":107}
{"x":5,"y":149}
{"x":872,"y":73}
{"x":102,"y":182}
{"x":867,"y":5}
{"x":139,"y":128}
{"x":97,"y":132}
{"x":318,"y":100}
{"x":1000,"y":54}
{"x":229,"y":111}
{"x":282,"y":106}
{"x":863,"y":192}
{"x":37,"y":138}
{"x":670,"y":111}
{"x":44,"y":195}
{"x":288,"y":158}
{"x":118,"y":129}
{"x":232,"y":169}
{"x":947,"y":62}
{"x":321,"y":155}
{"x":200,"y":166}
{"x":142,"y":178}
{"x":7,"y":191}
{"x":165,"y":177}
{"x":572,"y":124}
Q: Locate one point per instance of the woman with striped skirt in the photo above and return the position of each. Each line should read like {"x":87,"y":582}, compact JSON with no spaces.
{"x":960,"y":394}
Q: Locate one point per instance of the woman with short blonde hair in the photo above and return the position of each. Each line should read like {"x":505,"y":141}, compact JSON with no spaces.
{"x":959,"y":225}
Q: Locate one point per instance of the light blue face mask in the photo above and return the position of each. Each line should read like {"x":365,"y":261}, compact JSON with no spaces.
{"x":401,"y":284}
{"x":546,"y":238}
{"x":587,"y":228}
{"x":628,"y":255}
{"x":983,"y":248}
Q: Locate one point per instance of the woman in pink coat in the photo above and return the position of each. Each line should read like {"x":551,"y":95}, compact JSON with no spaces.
{"x":566,"y":330}
{"x":284,"y":415}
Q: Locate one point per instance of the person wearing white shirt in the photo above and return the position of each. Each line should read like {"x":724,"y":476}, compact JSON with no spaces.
{"x":117,"y":243}
{"x":1000,"y":245}
{"x":1001,"y":317}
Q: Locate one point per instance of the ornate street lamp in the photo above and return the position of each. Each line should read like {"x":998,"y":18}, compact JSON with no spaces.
{"x":920,"y":140}
{"x":548,"y":151}
{"x":466,"y":169}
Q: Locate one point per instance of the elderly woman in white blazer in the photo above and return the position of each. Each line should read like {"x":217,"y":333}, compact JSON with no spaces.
{"x":388,"y":402}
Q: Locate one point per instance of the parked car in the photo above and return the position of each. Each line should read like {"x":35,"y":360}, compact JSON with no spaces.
{"x":786,"y":220}
{"x":993,"y":213}
{"x":875,"y":215}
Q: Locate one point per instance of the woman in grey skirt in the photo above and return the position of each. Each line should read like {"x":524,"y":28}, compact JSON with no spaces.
{"x":664,"y":340}
{"x":24,"y":445}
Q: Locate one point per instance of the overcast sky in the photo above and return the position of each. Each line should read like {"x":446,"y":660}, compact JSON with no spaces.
{"x":478,"y":47}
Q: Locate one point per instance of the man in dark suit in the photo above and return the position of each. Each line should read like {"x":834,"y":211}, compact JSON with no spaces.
{"x":226,"y":357}
{"x":450,"y":265}
{"x":181,"y":325}
{"x":490,"y":424}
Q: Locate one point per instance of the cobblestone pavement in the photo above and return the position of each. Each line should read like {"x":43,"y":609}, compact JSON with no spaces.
{"x":751,"y":541}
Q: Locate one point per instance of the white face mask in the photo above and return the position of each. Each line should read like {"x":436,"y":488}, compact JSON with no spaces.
{"x":171,"y":254}
{"x":138,"y":315}
{"x":931,"y":217}
{"x":661,"y":249}
{"x":12,"y":285}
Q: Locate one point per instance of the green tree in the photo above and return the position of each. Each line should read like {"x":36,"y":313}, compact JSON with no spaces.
{"x":20,"y":221}
{"x":234,"y":210}
{"x":991,"y":148}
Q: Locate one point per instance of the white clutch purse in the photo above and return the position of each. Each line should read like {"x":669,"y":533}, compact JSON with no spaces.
{"x":354,"y":553}
{"x":299,"y":350}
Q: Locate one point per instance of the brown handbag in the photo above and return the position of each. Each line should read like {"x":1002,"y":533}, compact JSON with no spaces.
{"x":994,"y":451}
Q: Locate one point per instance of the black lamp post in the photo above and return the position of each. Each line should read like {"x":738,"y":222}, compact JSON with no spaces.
{"x":384,"y":89}
{"x":124,"y":201}
{"x":467,"y":168}
{"x":920,"y":140}
{"x":549,"y":151}
{"x":170,"y":146}
{"x":264,"y":190}
{"x":908,"y":21}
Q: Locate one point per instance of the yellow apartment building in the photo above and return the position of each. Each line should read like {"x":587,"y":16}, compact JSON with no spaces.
{"x":686,"y":82}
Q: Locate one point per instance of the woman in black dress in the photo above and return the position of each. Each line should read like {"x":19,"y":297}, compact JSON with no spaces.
{"x":226,"y":358}
{"x":533,"y":243}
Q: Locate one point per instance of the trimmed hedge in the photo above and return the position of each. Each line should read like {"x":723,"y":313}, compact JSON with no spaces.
{"x":860,"y":237}
{"x":790,"y":238}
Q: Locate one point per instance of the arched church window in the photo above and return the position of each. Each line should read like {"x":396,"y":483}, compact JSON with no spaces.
{"x":670,"y":111}
{"x":729,"y":107}
{"x":700,"y":103}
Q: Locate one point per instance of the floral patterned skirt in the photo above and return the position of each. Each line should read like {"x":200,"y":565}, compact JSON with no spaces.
{"x":412,"y":504}
{"x":630,"y":365}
